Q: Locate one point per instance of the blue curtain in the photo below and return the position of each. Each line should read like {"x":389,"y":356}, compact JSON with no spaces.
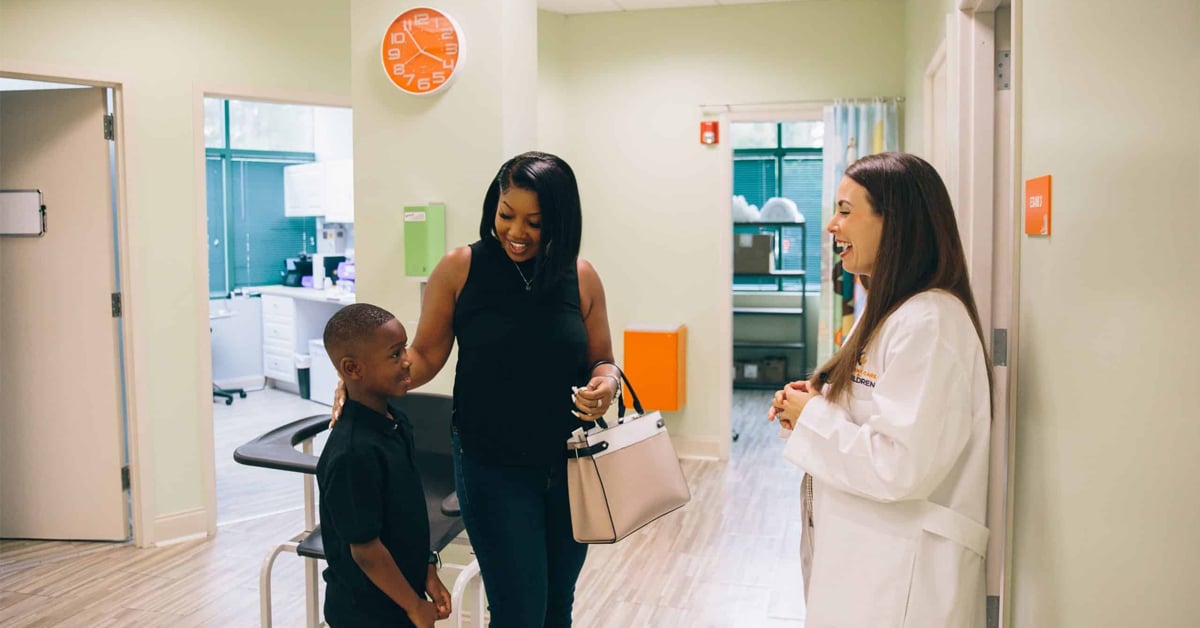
{"x":852,"y":130}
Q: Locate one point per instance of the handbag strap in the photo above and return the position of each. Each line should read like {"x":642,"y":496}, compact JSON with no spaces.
{"x":637,"y":404}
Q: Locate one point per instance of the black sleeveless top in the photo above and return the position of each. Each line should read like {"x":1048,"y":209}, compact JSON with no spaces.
{"x":519,"y":353}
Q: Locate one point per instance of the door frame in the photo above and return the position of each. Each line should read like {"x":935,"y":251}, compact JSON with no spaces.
{"x":800,"y":111}
{"x":138,"y":436}
{"x":200,"y":321}
{"x":983,"y":177}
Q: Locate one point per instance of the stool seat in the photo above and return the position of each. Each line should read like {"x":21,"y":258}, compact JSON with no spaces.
{"x":450,"y":506}
{"x":312,"y":546}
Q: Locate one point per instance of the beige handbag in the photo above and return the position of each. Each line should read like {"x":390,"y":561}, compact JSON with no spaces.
{"x":624,"y":476}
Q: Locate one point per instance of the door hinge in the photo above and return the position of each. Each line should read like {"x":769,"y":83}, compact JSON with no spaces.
{"x":1003,"y":70}
{"x":109,"y":128}
{"x":993,"y":611}
{"x":125,"y":478}
{"x":116,"y":304}
{"x":999,"y":347}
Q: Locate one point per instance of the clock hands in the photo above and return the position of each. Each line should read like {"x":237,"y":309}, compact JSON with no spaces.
{"x":434,"y":57}
{"x":414,"y":41}
{"x":406,"y":61}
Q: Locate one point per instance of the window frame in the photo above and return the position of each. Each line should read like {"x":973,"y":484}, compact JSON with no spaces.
{"x":227,"y":156}
{"x":779,"y":154}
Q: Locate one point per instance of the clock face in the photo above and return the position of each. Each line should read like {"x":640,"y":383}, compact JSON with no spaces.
{"x":422,"y":50}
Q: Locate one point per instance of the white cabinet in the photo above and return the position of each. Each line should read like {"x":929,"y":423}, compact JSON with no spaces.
{"x":321,"y":188}
{"x":279,"y":338}
{"x":339,"y":191}
{"x":303,"y":190}
{"x":291,"y":319}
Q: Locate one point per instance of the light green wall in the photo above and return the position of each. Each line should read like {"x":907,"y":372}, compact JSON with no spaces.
{"x":924,"y":28}
{"x":654,"y":211}
{"x":1107,"y":506}
{"x":162,"y":50}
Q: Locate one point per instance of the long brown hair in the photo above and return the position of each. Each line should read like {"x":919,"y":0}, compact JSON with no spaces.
{"x":919,"y":250}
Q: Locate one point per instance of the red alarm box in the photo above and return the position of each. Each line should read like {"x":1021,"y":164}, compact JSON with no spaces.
{"x":709,"y":131}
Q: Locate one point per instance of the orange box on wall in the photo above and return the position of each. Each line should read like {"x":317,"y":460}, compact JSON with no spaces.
{"x":656,"y":364}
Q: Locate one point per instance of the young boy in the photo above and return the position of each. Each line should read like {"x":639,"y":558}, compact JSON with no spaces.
{"x":373,"y":518}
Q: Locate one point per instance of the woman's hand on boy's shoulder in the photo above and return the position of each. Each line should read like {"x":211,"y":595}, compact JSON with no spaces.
{"x":339,"y":402}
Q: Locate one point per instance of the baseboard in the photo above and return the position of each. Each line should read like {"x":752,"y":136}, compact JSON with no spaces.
{"x":252,"y":382}
{"x":184,"y":525}
{"x":698,"y":447}
{"x":284,"y":386}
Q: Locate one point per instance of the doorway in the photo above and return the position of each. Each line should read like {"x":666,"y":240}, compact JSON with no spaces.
{"x":278,"y":203}
{"x":62,"y":343}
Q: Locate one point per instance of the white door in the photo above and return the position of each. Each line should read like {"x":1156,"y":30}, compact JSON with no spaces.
{"x":937,"y":131}
{"x":61,"y":435}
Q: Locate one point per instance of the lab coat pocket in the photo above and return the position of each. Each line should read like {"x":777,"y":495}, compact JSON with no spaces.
{"x":861,"y":574}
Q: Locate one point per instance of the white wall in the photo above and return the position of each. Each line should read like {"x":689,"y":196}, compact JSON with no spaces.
{"x":1107,"y":505}
{"x":655,"y":214}
{"x":162,"y":51}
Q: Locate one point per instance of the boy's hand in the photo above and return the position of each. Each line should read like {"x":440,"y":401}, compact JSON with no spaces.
{"x":437,"y":591}
{"x":424,"y":614}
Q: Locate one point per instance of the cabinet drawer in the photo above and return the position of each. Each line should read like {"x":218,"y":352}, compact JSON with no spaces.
{"x":282,"y":333}
{"x":279,"y":367}
{"x":274,"y":305}
{"x":275,"y":345}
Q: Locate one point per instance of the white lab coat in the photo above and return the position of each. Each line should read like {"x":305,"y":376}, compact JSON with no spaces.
{"x":900,"y":477}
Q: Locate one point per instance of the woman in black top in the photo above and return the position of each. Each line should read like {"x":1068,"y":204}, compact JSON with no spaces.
{"x":531,"y":324}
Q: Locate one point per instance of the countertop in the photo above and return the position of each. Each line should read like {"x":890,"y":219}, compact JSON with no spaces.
{"x":307,"y":294}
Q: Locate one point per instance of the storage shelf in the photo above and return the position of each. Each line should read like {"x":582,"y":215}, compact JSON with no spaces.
{"x":776,"y":311}
{"x":751,"y":344}
{"x":775,"y":273}
{"x":760,"y":385}
{"x":796,"y":342}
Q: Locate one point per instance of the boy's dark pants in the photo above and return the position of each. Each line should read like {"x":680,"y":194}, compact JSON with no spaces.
{"x":519,"y":521}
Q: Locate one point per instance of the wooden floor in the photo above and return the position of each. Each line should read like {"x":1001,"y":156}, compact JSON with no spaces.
{"x":729,"y":559}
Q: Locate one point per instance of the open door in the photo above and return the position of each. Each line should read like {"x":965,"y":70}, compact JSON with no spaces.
{"x":61,"y":429}
{"x":970,"y":133}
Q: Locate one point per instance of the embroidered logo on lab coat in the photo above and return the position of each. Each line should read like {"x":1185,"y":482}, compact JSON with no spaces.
{"x":864,"y":376}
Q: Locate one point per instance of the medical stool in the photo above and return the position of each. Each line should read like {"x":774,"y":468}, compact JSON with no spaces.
{"x":430,"y":415}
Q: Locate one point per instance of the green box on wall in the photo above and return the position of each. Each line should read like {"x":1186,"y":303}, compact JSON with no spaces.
{"x":424,"y":238}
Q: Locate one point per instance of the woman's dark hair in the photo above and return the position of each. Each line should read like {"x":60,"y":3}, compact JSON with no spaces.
{"x":919,"y":250}
{"x":558,"y":200}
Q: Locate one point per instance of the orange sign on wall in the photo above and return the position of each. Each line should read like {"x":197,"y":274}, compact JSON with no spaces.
{"x":1037,"y":206}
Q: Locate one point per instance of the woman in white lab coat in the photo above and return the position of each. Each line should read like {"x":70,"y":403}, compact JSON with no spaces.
{"x":894,"y":429}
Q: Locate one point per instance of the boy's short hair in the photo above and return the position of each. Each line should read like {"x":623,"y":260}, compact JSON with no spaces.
{"x":351,"y":325}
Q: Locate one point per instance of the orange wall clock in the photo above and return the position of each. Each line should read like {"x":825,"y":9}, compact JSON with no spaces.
{"x":422,"y":51}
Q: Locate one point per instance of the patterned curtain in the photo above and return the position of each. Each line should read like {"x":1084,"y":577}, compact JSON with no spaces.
{"x":852,"y":130}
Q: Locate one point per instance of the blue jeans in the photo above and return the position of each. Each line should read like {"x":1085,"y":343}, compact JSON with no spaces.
{"x":519,"y":521}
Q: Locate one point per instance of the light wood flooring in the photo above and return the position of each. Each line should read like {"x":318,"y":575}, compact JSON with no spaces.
{"x":729,"y":559}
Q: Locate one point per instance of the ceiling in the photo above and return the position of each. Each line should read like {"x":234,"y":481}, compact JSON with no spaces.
{"x":602,"y":6}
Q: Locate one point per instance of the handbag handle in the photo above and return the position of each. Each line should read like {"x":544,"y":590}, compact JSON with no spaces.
{"x":637,"y":404}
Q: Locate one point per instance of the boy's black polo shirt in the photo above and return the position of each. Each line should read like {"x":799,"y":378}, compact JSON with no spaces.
{"x":370,"y":489}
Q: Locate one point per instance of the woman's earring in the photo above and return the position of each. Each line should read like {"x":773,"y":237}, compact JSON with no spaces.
{"x":548,"y":245}
{"x":494,"y":236}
